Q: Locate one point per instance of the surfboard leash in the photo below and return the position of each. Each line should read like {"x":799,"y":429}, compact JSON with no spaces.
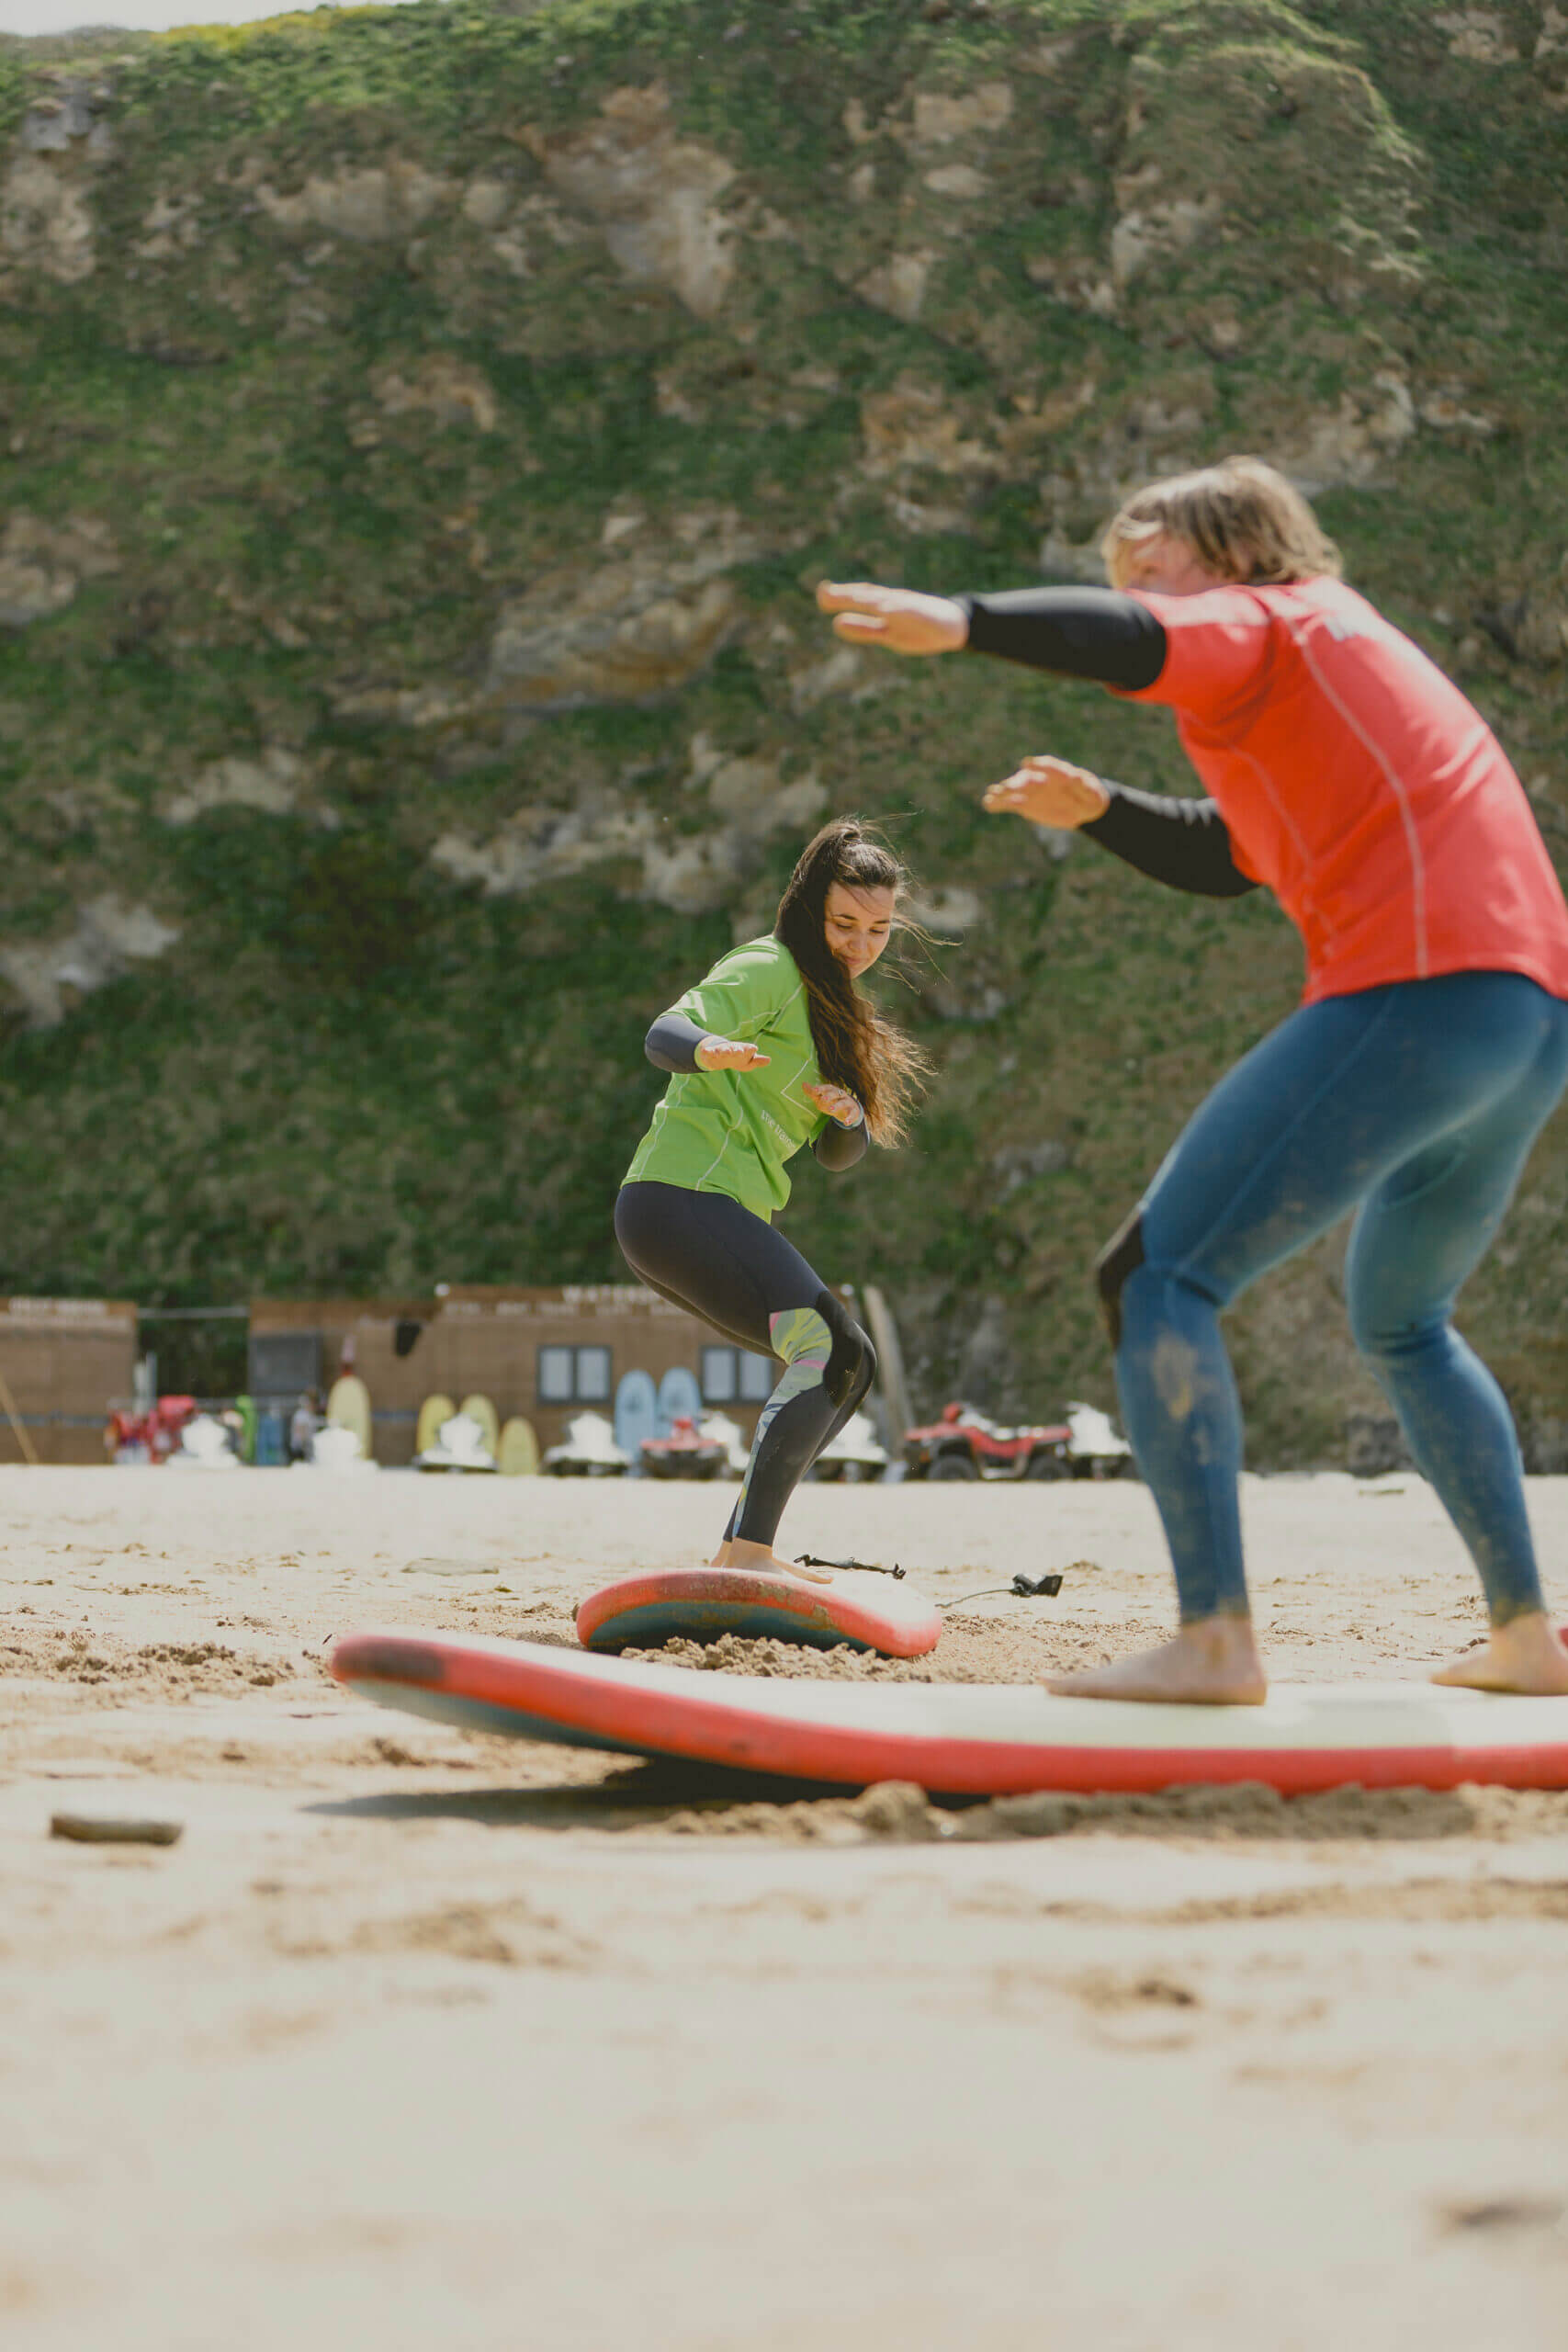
{"x":1022,"y":1589}
{"x":872,"y":1567}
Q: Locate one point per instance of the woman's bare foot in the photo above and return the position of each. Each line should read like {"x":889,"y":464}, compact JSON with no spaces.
{"x":1213,"y":1662}
{"x":1527,"y":1655}
{"x":763,"y":1558}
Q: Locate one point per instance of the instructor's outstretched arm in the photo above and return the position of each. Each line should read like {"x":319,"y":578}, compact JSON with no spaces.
{"x":1095,"y":633}
{"x":1184,"y":843}
{"x":1047,"y":791}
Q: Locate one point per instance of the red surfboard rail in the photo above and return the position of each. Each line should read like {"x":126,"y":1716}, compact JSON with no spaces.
{"x":861,"y":1606}
{"x":966,"y":1739}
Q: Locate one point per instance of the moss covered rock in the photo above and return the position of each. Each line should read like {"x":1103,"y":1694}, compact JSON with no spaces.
{"x":423,"y":429}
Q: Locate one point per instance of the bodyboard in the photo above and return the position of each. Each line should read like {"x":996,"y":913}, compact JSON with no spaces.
{"x":964,"y":1738}
{"x":866,"y":1611}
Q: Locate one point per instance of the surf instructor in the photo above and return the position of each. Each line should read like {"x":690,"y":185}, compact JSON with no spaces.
{"x":775,"y":1049}
{"x":1344,"y":771}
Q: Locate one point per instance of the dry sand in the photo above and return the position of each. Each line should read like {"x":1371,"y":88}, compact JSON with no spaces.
{"x":414,"y":2040}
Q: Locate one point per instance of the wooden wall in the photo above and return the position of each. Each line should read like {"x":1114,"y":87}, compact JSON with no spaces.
{"x":65,"y":1362}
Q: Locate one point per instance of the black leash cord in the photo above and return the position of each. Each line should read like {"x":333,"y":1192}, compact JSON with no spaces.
{"x":1020,"y":1588}
{"x":872,"y":1567}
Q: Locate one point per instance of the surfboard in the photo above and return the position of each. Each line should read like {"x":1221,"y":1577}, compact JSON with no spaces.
{"x":964,"y":1738}
{"x":868,"y":1611}
{"x":479,"y":1409}
{"x":434,"y":1411}
{"x":249,"y":1422}
{"x":637,"y":1412}
{"x":679,"y":1398}
{"x":348,"y":1407}
{"x":517,"y":1456}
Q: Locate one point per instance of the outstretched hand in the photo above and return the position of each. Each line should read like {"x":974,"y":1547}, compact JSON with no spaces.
{"x":837,"y":1102}
{"x":1048,"y":791}
{"x":899,"y":619}
{"x":728,"y":1053}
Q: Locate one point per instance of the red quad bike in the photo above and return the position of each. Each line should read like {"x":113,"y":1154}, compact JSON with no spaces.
{"x":149,"y":1437}
{"x":965,"y":1444}
{"x":684,"y":1453}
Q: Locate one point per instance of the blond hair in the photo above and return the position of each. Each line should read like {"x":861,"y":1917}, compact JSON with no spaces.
{"x":1242,"y":520}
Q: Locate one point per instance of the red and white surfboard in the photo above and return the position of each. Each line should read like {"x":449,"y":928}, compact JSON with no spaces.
{"x":964,"y":1738}
{"x":861,"y":1606}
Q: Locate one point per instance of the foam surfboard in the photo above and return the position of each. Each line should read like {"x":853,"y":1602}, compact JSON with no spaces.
{"x":348,"y":1407}
{"x":433,"y":1414}
{"x":517,"y":1456}
{"x":964,"y":1738}
{"x":679,"y":1398}
{"x":867,"y":1611}
{"x":479,"y":1409}
{"x":637,"y":1413}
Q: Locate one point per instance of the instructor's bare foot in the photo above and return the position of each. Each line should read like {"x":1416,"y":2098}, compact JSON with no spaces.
{"x":1213,"y":1662}
{"x":1526,"y":1656}
{"x":762,"y":1558}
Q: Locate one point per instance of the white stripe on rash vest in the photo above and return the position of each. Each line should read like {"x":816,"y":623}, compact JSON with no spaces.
{"x":1406,"y":815}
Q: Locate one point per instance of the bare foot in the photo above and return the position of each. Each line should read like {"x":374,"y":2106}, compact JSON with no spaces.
{"x":1213,"y":1662}
{"x":1527,"y":1655}
{"x":764,"y":1559}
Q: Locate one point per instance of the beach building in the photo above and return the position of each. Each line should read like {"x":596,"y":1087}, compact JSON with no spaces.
{"x":62,"y":1363}
{"x":546,"y":1355}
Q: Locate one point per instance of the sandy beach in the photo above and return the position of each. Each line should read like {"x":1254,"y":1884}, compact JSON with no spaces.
{"x":415,"y":2039}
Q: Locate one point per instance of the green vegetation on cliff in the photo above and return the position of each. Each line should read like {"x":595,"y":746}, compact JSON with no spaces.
{"x":421,"y":431}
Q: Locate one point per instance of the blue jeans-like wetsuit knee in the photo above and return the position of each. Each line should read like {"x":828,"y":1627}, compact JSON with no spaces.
{"x":1416,"y":1105}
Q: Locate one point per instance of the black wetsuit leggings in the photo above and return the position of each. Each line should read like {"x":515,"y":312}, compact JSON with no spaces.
{"x":705,"y":1252}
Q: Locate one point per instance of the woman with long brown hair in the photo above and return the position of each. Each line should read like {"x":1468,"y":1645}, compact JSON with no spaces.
{"x":775,"y":1049}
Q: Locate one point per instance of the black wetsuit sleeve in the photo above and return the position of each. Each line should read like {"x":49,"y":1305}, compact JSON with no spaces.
{"x":671,"y":1042}
{"x":837,"y":1147}
{"x":1184,"y":843}
{"x":1081,"y":632}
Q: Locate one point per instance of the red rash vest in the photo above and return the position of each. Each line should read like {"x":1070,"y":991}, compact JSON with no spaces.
{"x":1361,"y":786}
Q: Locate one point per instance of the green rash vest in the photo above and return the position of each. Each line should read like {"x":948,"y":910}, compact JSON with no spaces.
{"x":731,"y":1131}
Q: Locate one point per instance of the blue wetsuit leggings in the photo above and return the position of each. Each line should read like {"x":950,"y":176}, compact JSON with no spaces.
{"x":1415,"y":1106}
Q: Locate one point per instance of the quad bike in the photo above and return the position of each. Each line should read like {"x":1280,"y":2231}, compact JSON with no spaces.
{"x":152,"y":1436}
{"x":965,"y":1443}
{"x":687,"y":1452}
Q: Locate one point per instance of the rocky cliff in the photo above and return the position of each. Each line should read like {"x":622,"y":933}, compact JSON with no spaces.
{"x":421,"y":431}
